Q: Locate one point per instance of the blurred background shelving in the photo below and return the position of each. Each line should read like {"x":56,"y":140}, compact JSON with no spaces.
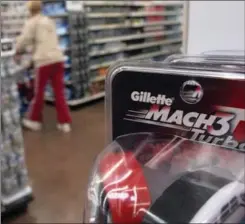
{"x":96,"y":34}
{"x":121,"y":30}
{"x":16,"y":191}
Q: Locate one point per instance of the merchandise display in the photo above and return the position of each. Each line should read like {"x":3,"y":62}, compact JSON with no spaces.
{"x":102,"y":32}
{"x":176,"y":148}
{"x":26,"y":89}
{"x":13,"y":16}
{"x":71,"y":28}
{"x":15,"y":189}
{"x":55,"y":8}
{"x":131,"y":30}
{"x":107,"y":31}
{"x":170,"y":132}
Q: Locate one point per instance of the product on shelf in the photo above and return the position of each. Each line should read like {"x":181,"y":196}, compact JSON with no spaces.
{"x":71,"y":28}
{"x":26,"y":91}
{"x":15,"y":189}
{"x":13,"y":16}
{"x":53,"y":8}
{"x":61,"y":26}
{"x":130,"y":27}
{"x":108,"y":31}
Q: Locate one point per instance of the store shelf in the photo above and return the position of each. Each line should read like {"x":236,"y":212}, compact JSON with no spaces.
{"x":68,"y":82}
{"x":133,"y":14}
{"x":157,"y":13}
{"x":15,"y":189}
{"x":98,"y":79}
{"x":107,"y":3}
{"x":62,"y":33}
{"x":154,"y":54}
{"x":170,"y":22}
{"x":108,"y":26}
{"x":134,"y":47}
{"x":105,"y":52}
{"x":49,"y":1}
{"x":58,"y":15}
{"x":105,"y":64}
{"x":7,"y":201}
{"x":81,"y":101}
{"x":134,"y":36}
{"x":14,"y":30}
{"x":131,"y":3}
{"x":140,"y":56}
{"x":72,"y":32}
{"x":86,"y":99}
{"x":49,"y":99}
{"x":151,"y":44}
{"x":131,"y":25}
{"x":64,"y":49}
{"x":4,"y":14}
{"x":106,"y":15}
{"x":67,"y":66}
{"x":7,"y":54}
{"x":151,"y":3}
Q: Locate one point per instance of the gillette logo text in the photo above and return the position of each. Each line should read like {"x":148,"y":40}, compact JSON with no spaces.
{"x":146,"y":97}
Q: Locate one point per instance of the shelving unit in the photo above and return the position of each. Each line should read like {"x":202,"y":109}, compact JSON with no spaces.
{"x":71,"y":28}
{"x":83,"y":100}
{"x":113,"y":30}
{"x":131,"y":30}
{"x":119,"y":30}
{"x":16,"y":192}
{"x":13,"y":16}
{"x":132,"y":37}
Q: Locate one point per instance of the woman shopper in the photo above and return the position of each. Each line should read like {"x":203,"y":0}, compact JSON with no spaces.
{"x":40,"y":33}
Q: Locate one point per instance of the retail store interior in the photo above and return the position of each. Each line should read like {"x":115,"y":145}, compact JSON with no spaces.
{"x":45,"y":173}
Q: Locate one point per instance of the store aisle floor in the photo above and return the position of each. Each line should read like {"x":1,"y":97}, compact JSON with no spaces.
{"x":59,"y":164}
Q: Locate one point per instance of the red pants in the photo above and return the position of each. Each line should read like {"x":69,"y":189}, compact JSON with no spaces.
{"x":54,"y":73}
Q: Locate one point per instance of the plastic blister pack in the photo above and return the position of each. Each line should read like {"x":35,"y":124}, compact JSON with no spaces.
{"x":176,"y":151}
{"x":154,"y":178}
{"x":227,"y":61}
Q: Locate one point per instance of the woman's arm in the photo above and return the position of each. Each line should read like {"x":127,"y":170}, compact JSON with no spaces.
{"x":26,"y":38}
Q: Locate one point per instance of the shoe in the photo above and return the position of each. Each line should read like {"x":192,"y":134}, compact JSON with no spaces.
{"x":32,"y":125}
{"x":64,"y":127}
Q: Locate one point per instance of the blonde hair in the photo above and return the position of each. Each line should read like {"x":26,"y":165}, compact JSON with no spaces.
{"x":34,"y":7}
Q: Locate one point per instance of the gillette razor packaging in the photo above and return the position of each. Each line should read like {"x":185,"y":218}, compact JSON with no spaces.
{"x":201,"y":99}
{"x":176,"y":143}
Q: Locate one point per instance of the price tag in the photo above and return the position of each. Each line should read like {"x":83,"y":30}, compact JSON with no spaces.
{"x":75,"y":6}
{"x":7,"y":47}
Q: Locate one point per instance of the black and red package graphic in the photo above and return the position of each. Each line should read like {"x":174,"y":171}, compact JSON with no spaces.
{"x":201,"y":108}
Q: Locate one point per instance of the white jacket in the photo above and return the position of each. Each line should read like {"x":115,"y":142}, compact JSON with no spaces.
{"x":40,"y":33}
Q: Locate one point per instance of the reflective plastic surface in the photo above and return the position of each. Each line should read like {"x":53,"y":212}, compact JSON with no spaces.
{"x":212,"y":62}
{"x":155,"y":178}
